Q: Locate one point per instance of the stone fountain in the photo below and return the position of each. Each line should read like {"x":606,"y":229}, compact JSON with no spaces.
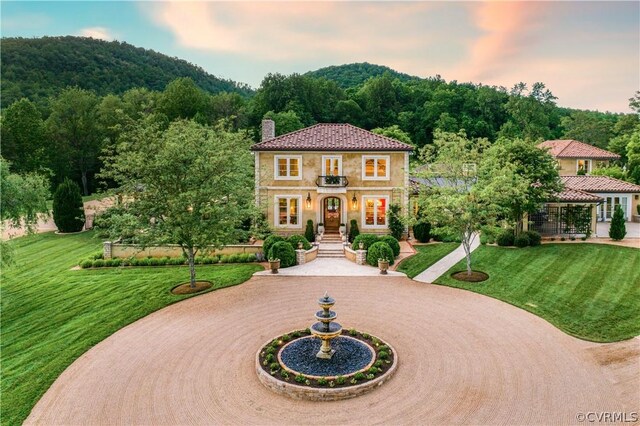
{"x":325,"y":328}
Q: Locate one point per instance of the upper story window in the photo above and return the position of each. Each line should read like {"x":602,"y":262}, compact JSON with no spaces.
{"x":583,"y":166}
{"x":288,"y":167}
{"x":375,"y":167}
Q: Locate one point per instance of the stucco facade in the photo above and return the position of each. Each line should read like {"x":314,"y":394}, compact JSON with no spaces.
{"x":571,"y":166}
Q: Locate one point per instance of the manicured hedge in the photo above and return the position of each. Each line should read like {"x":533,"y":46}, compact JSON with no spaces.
{"x":68,"y":209}
{"x":270,"y":241}
{"x":295,"y":239}
{"x":521,"y":240}
{"x":283,"y":250}
{"x":534,"y":238}
{"x":354,"y":231}
{"x":506,"y":238}
{"x":392,"y":242}
{"x":367,"y":239}
{"x":377,"y":251}
{"x":162,"y":261}
{"x":422,"y":231}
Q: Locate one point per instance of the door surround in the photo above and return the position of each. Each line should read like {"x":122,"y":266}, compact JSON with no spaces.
{"x":343,"y":207}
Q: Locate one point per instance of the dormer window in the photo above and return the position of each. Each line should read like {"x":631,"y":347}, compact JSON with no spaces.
{"x":583,"y":166}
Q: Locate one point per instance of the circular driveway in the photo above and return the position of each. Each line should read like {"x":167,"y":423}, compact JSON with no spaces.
{"x":464,"y":359}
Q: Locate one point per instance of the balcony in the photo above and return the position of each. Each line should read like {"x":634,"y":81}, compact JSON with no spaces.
{"x":332,"y":184}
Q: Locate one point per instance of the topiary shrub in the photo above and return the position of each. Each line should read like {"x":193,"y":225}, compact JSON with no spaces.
{"x":535,"y":239}
{"x":308,"y":232}
{"x":505,"y":238}
{"x":295,"y":239}
{"x":283,"y":250}
{"x":269,"y":241}
{"x":392,"y":242}
{"x":68,"y":210}
{"x":618,"y":229}
{"x":379,"y":250}
{"x":87,"y":263}
{"x":395,"y":222}
{"x":233,"y":258}
{"x":422,"y":231}
{"x":521,"y":240}
{"x":367,"y":239}
{"x":354,"y":231}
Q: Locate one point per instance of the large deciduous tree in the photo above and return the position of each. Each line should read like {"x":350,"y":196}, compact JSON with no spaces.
{"x":463,"y":189}
{"x":537,"y":172}
{"x":74,"y":130}
{"x":23,"y":137}
{"x":182,"y":98}
{"x":531,"y":112}
{"x":23,"y":198}
{"x":188,"y":185}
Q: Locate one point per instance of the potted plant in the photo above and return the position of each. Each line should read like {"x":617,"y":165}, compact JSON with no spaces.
{"x":300,"y":246}
{"x":274,"y":264}
{"x":383,"y":264}
{"x":361,"y":245}
{"x":343,"y":228}
{"x":320,"y":228}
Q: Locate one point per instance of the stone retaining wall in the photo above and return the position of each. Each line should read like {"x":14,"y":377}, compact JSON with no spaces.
{"x":357,"y":256}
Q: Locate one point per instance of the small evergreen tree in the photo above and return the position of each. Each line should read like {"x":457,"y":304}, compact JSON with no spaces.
{"x":617,"y":230}
{"x":308,"y":232}
{"x":68,"y":210}
{"x":395,"y":222}
{"x":354,"y":231}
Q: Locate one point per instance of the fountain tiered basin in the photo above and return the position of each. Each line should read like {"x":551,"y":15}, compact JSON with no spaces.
{"x":324,"y":361}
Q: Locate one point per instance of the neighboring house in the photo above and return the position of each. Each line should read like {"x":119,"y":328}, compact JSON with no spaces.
{"x":331,"y":174}
{"x":576,"y":157}
{"x":612,"y":191}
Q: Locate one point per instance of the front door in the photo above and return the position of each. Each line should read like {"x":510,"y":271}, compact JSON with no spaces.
{"x":331,"y":214}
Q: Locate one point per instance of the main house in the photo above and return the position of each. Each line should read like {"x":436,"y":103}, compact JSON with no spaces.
{"x":329,"y":174}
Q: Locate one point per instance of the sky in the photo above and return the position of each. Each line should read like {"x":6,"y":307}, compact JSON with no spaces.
{"x":587,"y":53}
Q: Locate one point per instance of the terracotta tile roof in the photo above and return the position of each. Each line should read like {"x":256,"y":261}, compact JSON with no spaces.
{"x":331,"y":137}
{"x":599,"y":184}
{"x":575,"y":195}
{"x":576,"y":149}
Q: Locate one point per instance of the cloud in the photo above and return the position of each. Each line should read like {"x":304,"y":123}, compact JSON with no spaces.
{"x":101,"y":33}
{"x":288,"y":30}
{"x":507,"y":31}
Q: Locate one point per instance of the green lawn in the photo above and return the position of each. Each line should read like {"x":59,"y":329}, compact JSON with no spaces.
{"x":427,"y":255}
{"x":591,"y":291}
{"x":51,"y":315}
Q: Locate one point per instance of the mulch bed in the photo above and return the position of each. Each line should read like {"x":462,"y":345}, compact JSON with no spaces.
{"x":475,"y":277}
{"x":185,"y":288}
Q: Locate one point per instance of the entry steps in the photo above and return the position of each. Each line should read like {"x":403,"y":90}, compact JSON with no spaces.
{"x":331,"y":246}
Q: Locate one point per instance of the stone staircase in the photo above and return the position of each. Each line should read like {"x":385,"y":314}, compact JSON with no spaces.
{"x":330,"y":246}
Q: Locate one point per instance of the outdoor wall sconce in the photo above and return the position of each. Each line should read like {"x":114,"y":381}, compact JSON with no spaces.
{"x":354,"y":202}
{"x":308,"y":200}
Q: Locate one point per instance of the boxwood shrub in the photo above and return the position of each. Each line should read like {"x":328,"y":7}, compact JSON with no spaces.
{"x":422,"y":231}
{"x":535,"y":239}
{"x":270,"y":241}
{"x":521,"y":240}
{"x":392,"y":242}
{"x":367,"y":239}
{"x":505,"y":238}
{"x":295,"y":239}
{"x":283,"y":250}
{"x":377,"y":251}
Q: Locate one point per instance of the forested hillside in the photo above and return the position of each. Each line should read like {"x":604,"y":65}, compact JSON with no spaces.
{"x":352,"y":75}
{"x":39,"y":67}
{"x":68,"y":131}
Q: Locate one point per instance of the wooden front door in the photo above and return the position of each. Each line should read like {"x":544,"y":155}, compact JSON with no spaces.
{"x":332,"y":214}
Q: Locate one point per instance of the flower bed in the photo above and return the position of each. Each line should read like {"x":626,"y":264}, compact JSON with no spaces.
{"x":279,"y":377}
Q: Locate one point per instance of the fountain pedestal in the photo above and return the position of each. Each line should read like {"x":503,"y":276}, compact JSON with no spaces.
{"x":325,"y":328}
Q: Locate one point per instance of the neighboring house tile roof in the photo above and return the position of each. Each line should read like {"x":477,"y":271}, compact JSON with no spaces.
{"x":331,"y":137}
{"x":599,"y":184}
{"x":575,"y":195}
{"x":576,"y":149}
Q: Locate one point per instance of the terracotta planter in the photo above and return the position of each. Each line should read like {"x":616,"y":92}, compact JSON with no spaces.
{"x":274,"y":265}
{"x":383,"y":265}
{"x":361,"y":245}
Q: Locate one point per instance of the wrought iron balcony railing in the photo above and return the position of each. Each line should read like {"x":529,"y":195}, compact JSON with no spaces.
{"x":332,"y":181}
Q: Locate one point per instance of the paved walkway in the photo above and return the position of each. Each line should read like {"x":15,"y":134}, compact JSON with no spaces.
{"x":633,"y":229}
{"x":331,"y":267}
{"x":464,"y":359}
{"x":433,"y":272}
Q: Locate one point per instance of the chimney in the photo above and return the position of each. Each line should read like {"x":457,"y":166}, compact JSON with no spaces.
{"x":268,"y":130}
